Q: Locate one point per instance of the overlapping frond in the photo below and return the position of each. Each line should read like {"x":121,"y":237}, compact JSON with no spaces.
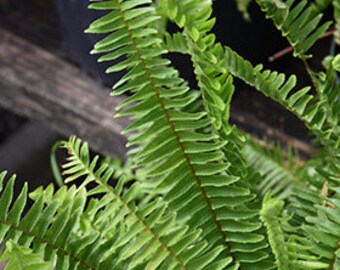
{"x":22,"y":258}
{"x":42,"y":232}
{"x":307,"y":107}
{"x":280,"y":172}
{"x":150,"y":237}
{"x":69,"y":229}
{"x":324,"y":229}
{"x":299,"y":21}
{"x":178,"y":158}
{"x":216,"y":87}
{"x":292,"y":251}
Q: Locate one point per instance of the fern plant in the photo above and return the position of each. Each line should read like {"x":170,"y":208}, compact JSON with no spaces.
{"x":196,"y":193}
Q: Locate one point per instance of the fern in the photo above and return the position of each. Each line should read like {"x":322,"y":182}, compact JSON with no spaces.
{"x":291,"y":251}
{"x":113,"y":231}
{"x":164,"y":130}
{"x":191,"y":195}
{"x":298,"y":21}
{"x":280,"y":174}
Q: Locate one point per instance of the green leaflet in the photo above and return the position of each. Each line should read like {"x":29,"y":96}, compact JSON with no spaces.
{"x":280,"y":174}
{"x":191,"y":192}
{"x":298,"y":21}
{"x":170,"y":142}
{"x":72,"y":229}
{"x":21,"y":258}
{"x":291,"y":251}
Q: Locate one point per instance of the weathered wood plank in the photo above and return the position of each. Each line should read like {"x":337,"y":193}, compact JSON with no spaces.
{"x":36,"y":84}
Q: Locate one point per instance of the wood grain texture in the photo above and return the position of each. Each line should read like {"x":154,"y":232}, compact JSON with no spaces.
{"x":37,"y":84}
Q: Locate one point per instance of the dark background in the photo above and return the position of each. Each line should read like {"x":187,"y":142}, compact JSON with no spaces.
{"x":57,"y":27}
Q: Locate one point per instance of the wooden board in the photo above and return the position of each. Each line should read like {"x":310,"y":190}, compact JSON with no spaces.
{"x":37,"y":84}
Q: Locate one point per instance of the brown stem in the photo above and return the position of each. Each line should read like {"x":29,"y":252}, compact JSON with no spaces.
{"x":289,"y":49}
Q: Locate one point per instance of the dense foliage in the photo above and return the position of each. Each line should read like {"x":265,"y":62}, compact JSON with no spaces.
{"x":196,"y":193}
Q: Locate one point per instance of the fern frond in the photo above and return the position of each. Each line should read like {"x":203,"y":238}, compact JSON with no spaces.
{"x":308,"y":108}
{"x":17,"y":257}
{"x":279,"y":173}
{"x":291,"y":250}
{"x":42,"y":229}
{"x":324,"y":229}
{"x":271,"y":210}
{"x":151,"y":235}
{"x":176,"y":43}
{"x":179,"y":159}
{"x":298,"y":21}
{"x":216,"y":87}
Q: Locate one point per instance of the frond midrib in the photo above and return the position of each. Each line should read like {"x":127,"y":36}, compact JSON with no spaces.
{"x":44,"y":241}
{"x":147,"y":228}
{"x":187,"y":158}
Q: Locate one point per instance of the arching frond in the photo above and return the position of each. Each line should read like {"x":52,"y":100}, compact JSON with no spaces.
{"x":42,"y":232}
{"x":298,"y":21}
{"x":150,"y":238}
{"x":178,"y":157}
{"x":216,"y":87}
{"x":307,"y":107}
{"x":115,"y":231}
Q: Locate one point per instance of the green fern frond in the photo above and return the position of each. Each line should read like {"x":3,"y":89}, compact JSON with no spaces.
{"x":43,"y":229}
{"x":299,"y":21}
{"x":176,"y":43}
{"x":18,"y":257}
{"x":291,"y":251}
{"x":178,"y":158}
{"x":280,"y":173}
{"x":324,"y":229}
{"x":151,"y":236}
{"x":216,"y":86}
{"x":307,"y":107}
{"x":117,"y":230}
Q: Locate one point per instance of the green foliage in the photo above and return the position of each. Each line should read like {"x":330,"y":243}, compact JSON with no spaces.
{"x":191,"y":195}
{"x":298,"y":21}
